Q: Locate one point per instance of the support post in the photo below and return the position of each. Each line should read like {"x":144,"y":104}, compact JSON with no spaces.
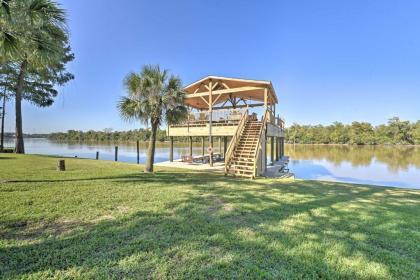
{"x":277,"y":148}
{"x":274,"y":114}
{"x":211,"y":154}
{"x":116,"y":153}
{"x":224,"y":145}
{"x":97,"y":155}
{"x":265,"y":154}
{"x":210,"y":122}
{"x":171,"y":149}
{"x":272,"y":150}
{"x":190,"y":142}
{"x":265,"y":100}
{"x":138,"y":151}
{"x":202,"y":147}
{"x":220,"y":145}
{"x":281,"y":147}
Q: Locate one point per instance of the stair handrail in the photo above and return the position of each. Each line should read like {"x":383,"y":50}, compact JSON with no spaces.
{"x":259,"y":146}
{"x":235,"y":139}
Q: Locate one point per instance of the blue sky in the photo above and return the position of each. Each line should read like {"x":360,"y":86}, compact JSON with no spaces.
{"x":328,"y":60}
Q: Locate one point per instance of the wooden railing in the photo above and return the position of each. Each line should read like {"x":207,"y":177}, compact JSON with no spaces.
{"x":260,"y":139}
{"x":218,"y":117}
{"x":276,"y":120}
{"x":235,"y":139}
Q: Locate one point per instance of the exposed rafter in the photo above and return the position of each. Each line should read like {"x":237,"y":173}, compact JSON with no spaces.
{"x":224,"y":91}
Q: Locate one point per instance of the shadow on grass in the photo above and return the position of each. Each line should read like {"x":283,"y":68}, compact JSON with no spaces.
{"x":229,"y":228}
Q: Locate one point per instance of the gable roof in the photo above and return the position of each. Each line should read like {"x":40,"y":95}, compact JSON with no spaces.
{"x":224,"y":88}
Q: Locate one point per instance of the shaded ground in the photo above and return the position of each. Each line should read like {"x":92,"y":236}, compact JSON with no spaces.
{"x":108,"y":220}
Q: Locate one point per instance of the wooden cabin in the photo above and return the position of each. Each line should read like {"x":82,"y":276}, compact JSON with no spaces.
{"x":222,"y":108}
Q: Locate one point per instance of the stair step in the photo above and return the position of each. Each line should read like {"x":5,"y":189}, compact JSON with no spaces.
{"x":241,"y":171}
{"x":241,"y":167}
{"x":243,"y":155}
{"x":241,"y":163}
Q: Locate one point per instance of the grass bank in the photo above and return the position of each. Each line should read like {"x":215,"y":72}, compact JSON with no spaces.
{"x":109,"y":220}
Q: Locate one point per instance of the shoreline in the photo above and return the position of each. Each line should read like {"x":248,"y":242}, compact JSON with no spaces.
{"x":167,"y":141}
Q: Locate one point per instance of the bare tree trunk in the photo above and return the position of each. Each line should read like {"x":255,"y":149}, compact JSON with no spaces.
{"x":19,"y":145}
{"x":3,"y":114}
{"x":151,"y":149}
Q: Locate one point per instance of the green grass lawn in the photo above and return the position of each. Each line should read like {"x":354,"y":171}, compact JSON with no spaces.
{"x":109,"y":220}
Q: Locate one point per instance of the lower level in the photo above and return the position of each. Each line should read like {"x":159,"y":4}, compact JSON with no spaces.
{"x":246,"y":153}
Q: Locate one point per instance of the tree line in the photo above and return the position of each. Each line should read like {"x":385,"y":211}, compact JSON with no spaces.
{"x":141,"y":134}
{"x":395,"y":132}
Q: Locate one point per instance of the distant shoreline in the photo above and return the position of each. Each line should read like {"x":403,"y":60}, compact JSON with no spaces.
{"x":215,"y":144}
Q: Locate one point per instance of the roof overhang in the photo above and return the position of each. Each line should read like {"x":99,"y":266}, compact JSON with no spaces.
{"x":224,"y":89}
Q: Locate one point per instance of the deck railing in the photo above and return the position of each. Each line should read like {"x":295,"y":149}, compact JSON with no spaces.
{"x":261,"y":138}
{"x":218,"y":117}
{"x":275,"y":120}
{"x":235,"y":139}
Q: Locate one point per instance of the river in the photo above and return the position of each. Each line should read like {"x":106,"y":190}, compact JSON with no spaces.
{"x":396,"y":166}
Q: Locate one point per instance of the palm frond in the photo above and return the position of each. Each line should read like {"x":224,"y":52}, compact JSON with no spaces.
{"x":5,"y":8}
{"x":8,"y":44}
{"x":47,"y":10}
{"x":157,"y":96}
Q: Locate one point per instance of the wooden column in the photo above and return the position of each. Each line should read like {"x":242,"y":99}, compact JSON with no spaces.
{"x":116,"y":153}
{"x":190,"y":142}
{"x":210,"y":121}
{"x":281,"y":147}
{"x":220,"y":145}
{"x":274,"y":112}
{"x":224,"y":145}
{"x":265,"y":100}
{"x":171,"y":149}
{"x":272,"y":150}
{"x":202,"y":147}
{"x":277,"y":148}
{"x":265,"y":154}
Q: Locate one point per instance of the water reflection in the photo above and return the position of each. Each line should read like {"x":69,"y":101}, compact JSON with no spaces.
{"x":378,"y":165}
{"x":397,"y":158}
{"x":397,"y":166}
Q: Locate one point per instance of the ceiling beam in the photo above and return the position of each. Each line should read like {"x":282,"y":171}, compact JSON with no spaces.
{"x":224,"y":91}
{"x":239,"y":106}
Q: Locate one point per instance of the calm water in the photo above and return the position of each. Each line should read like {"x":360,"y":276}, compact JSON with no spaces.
{"x":377,"y":165}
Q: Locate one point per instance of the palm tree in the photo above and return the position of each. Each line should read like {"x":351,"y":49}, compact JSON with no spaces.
{"x":32,"y":36}
{"x":153,"y":97}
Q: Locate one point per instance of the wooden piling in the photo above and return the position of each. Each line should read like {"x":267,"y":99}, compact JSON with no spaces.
{"x":116,"y":153}
{"x":272,"y":150}
{"x":138,"y":151}
{"x":190,"y":142}
{"x":97,"y":155}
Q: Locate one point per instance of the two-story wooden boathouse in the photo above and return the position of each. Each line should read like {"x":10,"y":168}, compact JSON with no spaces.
{"x":222,"y":107}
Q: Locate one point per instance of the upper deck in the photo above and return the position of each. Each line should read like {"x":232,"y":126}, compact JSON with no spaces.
{"x":224,"y":122}
{"x":220,"y":103}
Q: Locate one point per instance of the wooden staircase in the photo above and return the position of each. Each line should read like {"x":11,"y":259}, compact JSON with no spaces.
{"x":242,"y":161}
